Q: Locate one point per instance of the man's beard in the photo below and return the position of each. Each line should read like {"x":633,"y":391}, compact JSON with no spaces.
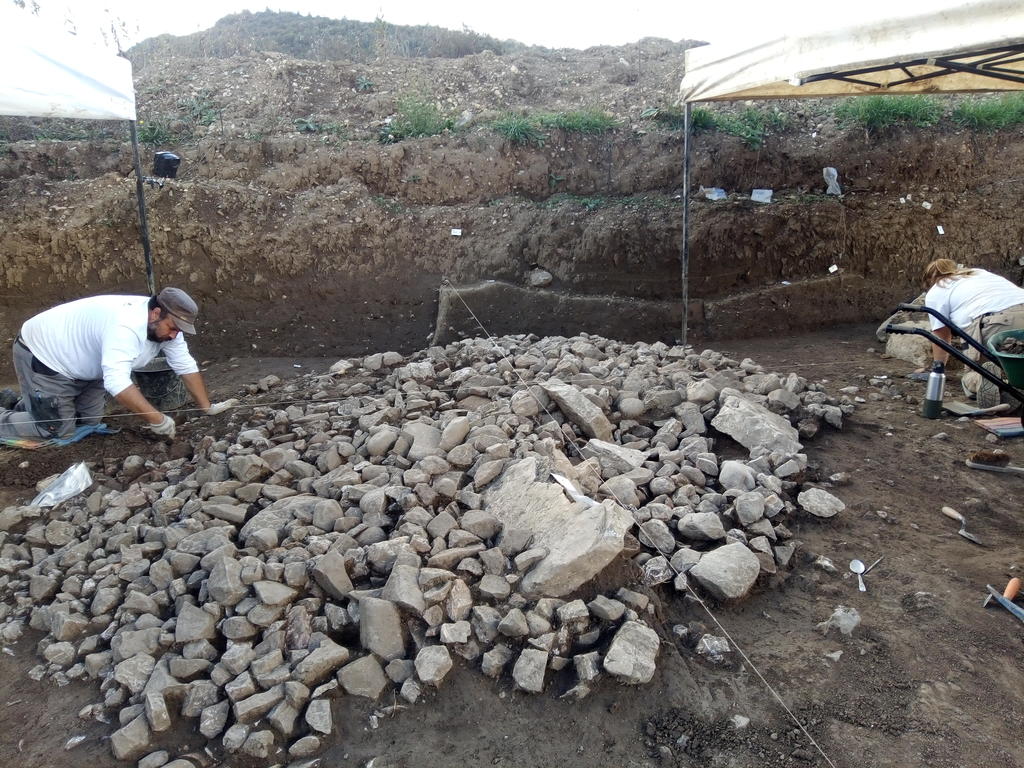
{"x":151,"y":333}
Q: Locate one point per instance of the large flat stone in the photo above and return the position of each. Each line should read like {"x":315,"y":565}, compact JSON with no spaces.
{"x":580,"y":540}
{"x":752,"y":425}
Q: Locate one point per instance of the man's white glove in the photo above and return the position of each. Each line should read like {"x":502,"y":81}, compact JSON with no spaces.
{"x":165,"y":428}
{"x":222,"y":406}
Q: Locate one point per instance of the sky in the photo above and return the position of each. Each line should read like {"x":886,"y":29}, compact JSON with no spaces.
{"x":551,"y":23}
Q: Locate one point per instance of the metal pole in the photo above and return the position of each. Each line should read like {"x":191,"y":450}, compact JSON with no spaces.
{"x":143,"y":225}
{"x":685,"y":257}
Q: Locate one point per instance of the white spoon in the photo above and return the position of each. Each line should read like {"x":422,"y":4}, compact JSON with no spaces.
{"x":858,"y":567}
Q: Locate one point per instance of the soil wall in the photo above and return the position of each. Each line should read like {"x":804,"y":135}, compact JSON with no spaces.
{"x":299,"y":243}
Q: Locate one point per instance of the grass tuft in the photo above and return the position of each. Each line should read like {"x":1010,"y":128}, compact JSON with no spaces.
{"x":582,"y":121}
{"x":875,"y":112}
{"x":520,"y":130}
{"x":991,"y":114}
{"x":416,"y":118}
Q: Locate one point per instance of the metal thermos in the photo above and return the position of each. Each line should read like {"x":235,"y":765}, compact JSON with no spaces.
{"x":931,"y":406}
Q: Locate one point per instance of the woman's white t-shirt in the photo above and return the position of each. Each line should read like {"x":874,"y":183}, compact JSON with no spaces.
{"x":964,"y":299}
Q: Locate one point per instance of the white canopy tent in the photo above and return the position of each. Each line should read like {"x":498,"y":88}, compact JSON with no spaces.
{"x":955,"y":47}
{"x":49,"y":73}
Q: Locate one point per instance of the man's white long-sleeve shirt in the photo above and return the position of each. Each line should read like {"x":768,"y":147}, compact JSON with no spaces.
{"x":102,"y":337}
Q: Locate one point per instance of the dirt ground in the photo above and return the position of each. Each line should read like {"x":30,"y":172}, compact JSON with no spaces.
{"x":929,"y":677}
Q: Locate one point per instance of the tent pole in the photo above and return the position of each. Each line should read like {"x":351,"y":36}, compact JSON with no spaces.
{"x":685,"y":256}
{"x":140,"y":195}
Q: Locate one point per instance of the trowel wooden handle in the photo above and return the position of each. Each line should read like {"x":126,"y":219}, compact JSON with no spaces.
{"x":952,"y":514}
{"x":1012,"y":588}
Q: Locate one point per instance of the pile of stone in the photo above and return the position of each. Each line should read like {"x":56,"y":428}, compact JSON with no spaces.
{"x":402,"y":514}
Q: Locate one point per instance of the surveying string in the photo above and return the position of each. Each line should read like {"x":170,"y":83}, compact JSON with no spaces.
{"x":572,"y":441}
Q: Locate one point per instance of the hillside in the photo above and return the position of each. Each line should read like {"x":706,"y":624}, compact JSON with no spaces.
{"x":286,"y":190}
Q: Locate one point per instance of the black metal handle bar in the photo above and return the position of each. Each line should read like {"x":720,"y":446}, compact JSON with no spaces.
{"x":949,"y":324}
{"x":974,"y":366}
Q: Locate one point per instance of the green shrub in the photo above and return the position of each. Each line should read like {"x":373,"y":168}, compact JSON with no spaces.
{"x":671,"y":118}
{"x":307,"y":125}
{"x":154,"y":132}
{"x":991,"y":114}
{"x":199,"y":110}
{"x":364,"y":84}
{"x":701,"y":119}
{"x":312,"y":125}
{"x":415,"y":118}
{"x":582,"y":121}
{"x":751,"y":125}
{"x":520,"y":129}
{"x":874,"y":112}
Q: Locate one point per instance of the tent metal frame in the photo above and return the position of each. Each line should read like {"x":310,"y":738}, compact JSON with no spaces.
{"x":992,"y":65}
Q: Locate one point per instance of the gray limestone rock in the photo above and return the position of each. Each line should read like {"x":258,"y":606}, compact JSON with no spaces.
{"x":363,"y":677}
{"x":403,"y":589}
{"x":656,"y":534}
{"x":701,"y":526}
{"x":258,"y":744}
{"x":613,"y":458}
{"x":820,"y":503}
{"x":749,"y":507}
{"x":194,"y":624}
{"x":579,"y":409}
{"x":304,"y":747}
{"x":225,"y":582}
{"x":132,"y":740}
{"x":632,"y":654}
{"x":321,"y":663}
{"x":606,"y":609}
{"x":251,"y":709}
{"x":528,"y":672}
{"x":728,"y":572}
{"x":330,"y":573}
{"x":736,"y":474}
{"x":318,"y":716}
{"x":493,"y":662}
{"x":213,"y":719}
{"x":433,"y":663}
{"x":380,"y":628}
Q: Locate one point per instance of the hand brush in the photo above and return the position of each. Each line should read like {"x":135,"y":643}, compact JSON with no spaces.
{"x":993,"y":461}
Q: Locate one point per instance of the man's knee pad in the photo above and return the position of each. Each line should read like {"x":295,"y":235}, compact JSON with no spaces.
{"x":45,"y":410}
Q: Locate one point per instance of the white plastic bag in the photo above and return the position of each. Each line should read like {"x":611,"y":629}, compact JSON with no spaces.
{"x":832,"y":180}
{"x":72,"y":482}
{"x":843,"y":618}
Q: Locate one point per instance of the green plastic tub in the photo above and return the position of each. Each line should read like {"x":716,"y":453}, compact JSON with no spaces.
{"x":1013,"y":365}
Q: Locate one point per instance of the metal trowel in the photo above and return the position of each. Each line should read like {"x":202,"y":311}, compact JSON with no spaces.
{"x":952,"y":514}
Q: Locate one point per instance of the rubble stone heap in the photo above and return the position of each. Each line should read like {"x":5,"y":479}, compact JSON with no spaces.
{"x":378,"y":524}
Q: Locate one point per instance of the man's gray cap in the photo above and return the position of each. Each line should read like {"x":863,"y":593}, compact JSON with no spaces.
{"x":180,"y":306}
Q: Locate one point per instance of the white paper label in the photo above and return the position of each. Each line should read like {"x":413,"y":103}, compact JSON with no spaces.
{"x":940,"y":230}
{"x":456,"y":233}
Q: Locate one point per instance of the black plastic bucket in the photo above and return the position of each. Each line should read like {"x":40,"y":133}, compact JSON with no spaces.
{"x":160,"y":385}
